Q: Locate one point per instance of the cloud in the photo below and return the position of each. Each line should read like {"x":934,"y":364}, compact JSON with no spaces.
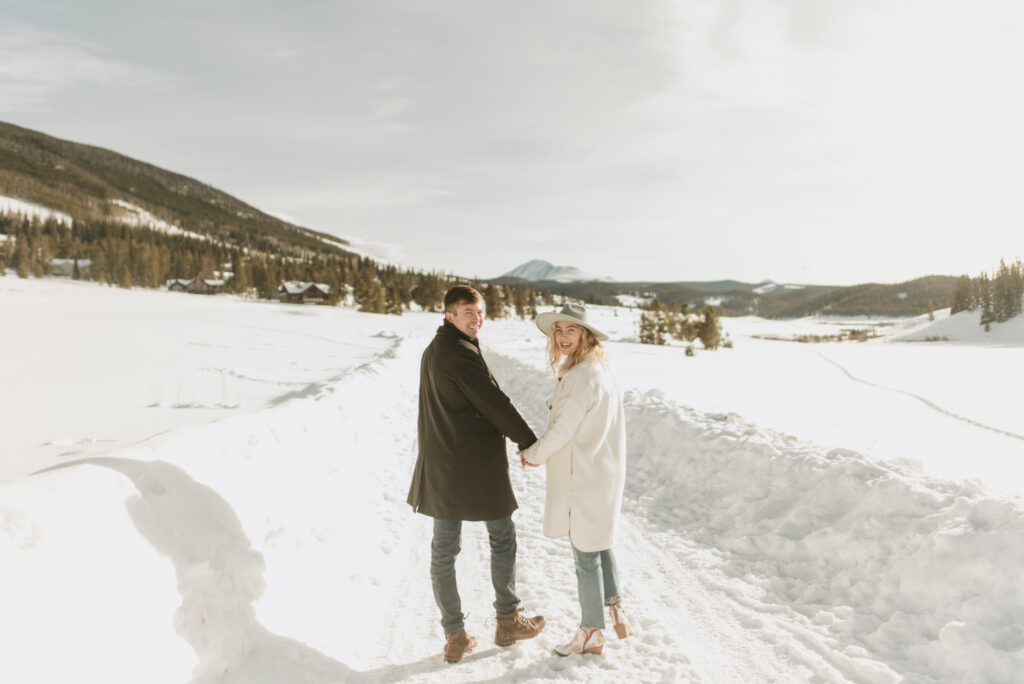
{"x":38,"y":68}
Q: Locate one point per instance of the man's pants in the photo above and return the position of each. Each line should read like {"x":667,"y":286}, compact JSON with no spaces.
{"x":443,"y":550}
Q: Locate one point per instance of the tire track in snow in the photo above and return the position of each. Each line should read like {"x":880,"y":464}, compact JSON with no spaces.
{"x":930,"y":404}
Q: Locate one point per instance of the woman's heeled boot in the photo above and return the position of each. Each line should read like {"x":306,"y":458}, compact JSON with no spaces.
{"x":583,"y":641}
{"x":620,"y":621}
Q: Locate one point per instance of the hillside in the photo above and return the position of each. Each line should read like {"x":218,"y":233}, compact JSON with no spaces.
{"x":99,"y":186}
{"x":911,"y":298}
{"x":92,"y":183}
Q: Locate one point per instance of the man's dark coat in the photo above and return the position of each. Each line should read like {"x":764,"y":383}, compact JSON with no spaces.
{"x":462,"y":468}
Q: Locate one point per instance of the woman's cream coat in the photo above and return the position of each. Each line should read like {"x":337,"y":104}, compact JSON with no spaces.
{"x":584,"y":447}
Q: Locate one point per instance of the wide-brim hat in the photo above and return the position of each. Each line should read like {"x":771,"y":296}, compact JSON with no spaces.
{"x":571,"y":313}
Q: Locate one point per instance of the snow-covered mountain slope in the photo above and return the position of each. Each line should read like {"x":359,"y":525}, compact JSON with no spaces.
{"x":538,"y":270}
{"x":274,"y":544}
{"x":17,"y":207}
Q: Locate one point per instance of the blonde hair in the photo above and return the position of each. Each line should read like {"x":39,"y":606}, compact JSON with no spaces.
{"x":589,"y":348}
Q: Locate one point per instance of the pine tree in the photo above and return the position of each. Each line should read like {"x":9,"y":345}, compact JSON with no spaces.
{"x":1016,"y":288}
{"x":369,"y":293}
{"x":519,"y":299}
{"x":963,"y":295}
{"x":241,"y":279}
{"x":653,"y":327}
{"x":985,"y":295}
{"x":6,"y":253}
{"x":709,"y":330}
{"x":393,"y":300}
{"x":1001,"y":294}
{"x":124,"y":278}
{"x":99,"y":266}
{"x":266,"y":279}
{"x":22,"y":258}
{"x":429,"y":292}
{"x":494,"y":302}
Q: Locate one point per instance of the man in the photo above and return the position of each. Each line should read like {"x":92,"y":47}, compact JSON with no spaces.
{"x":462,"y":470}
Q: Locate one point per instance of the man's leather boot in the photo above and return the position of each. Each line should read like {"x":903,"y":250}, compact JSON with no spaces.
{"x":457,"y":645}
{"x":515,"y":627}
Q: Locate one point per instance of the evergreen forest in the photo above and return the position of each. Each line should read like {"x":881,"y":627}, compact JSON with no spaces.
{"x":113,"y":253}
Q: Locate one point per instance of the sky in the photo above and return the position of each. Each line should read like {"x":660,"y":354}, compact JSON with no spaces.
{"x":804,"y":141}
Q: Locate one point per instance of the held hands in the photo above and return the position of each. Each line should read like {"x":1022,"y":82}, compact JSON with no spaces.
{"x":525,"y":462}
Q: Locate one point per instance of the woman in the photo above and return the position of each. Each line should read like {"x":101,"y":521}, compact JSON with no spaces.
{"x":584,"y":448}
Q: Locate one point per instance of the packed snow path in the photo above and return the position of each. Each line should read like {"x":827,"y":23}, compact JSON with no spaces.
{"x":688,"y":628}
{"x":277,"y":546}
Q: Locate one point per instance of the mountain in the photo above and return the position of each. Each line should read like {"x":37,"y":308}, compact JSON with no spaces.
{"x":89,"y":182}
{"x":539,"y":270}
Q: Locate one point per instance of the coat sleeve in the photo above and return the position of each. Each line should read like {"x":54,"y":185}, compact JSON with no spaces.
{"x":472,"y":377}
{"x":579,"y":400}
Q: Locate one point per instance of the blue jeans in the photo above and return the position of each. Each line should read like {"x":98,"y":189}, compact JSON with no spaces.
{"x":443,"y":550}
{"x":598,"y":584}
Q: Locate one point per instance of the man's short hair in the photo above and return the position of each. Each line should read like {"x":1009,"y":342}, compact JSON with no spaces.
{"x":461,"y":294}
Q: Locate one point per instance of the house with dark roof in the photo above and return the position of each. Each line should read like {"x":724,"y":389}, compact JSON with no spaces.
{"x":197,"y":285}
{"x":304,"y":293}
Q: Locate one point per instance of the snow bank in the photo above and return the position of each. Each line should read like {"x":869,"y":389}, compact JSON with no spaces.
{"x":85,"y":597}
{"x":923,"y":574}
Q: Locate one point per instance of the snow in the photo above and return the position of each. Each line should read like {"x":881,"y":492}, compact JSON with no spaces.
{"x":11,"y":205}
{"x":124,"y":212}
{"x":772,"y":529}
{"x":137,"y":216}
{"x":769,"y":286}
{"x":538,"y":269}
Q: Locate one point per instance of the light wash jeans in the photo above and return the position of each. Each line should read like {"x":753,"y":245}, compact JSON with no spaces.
{"x":445,"y":547}
{"x":598,"y":584}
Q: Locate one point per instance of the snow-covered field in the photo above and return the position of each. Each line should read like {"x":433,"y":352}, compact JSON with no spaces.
{"x":211,"y":489}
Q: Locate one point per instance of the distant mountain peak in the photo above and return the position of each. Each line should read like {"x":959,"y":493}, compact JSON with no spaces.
{"x":538,"y":269}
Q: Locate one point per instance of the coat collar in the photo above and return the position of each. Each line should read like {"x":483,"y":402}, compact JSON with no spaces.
{"x":447,"y":329}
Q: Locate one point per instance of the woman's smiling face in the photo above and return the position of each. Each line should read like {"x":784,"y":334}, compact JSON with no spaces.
{"x":567,"y":337}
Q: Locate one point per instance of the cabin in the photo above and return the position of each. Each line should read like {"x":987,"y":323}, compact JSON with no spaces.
{"x":304,"y":293}
{"x":65,"y":268}
{"x":197,"y":285}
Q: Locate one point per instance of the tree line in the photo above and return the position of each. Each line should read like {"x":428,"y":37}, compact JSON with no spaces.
{"x":998,"y":295}
{"x":136,"y":256}
{"x":660,"y":322}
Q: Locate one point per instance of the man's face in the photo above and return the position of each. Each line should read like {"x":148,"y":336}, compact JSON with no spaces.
{"x":467,"y":317}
